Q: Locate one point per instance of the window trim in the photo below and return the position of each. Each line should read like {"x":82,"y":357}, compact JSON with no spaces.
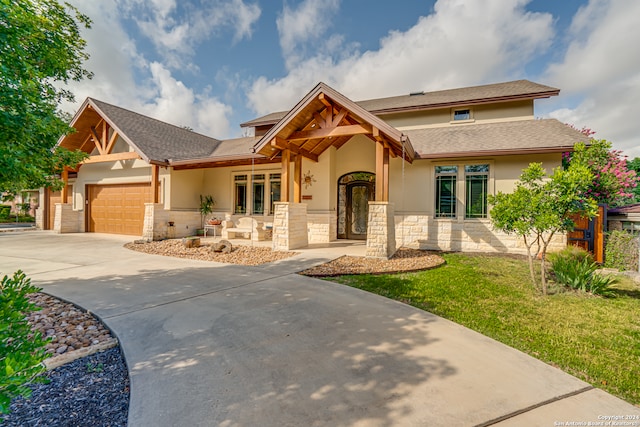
{"x":461,"y":207}
{"x":436,"y":181}
{"x":251,"y":178}
{"x":466,"y":190}
{"x":453,"y":119}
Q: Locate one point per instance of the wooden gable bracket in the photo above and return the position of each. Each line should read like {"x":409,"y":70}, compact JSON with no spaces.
{"x":324,"y":100}
{"x":97,"y":140}
{"x":103,"y":144}
{"x":283,"y":144}
{"x":347,"y":130}
{"x":129,"y":155}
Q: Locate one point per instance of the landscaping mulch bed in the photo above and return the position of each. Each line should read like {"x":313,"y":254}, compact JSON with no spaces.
{"x":91,"y":391}
{"x":243,"y":255}
{"x":404,"y":260}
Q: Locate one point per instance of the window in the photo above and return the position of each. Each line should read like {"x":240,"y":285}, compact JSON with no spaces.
{"x":257,"y":182}
{"x":274,"y":196}
{"x":476,"y":180}
{"x":464,"y":114}
{"x":446,"y":191}
{"x":240,"y":194}
{"x":250,"y":193}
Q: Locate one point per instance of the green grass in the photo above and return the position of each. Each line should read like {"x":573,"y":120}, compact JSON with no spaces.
{"x":595,"y":339}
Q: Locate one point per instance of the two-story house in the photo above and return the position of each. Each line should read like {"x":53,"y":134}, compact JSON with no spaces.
{"x":412,"y":170}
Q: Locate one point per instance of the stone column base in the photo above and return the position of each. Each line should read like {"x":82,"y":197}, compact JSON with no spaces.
{"x":290,"y":226}
{"x":155,"y":222}
{"x":66,"y":220}
{"x":381,"y":230}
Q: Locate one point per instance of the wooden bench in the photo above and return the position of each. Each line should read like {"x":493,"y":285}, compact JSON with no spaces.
{"x":243,"y":226}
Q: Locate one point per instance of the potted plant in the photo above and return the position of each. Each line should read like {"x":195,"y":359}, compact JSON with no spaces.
{"x":206,"y":207}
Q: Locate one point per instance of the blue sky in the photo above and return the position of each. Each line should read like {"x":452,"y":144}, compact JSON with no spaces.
{"x":213,"y":64}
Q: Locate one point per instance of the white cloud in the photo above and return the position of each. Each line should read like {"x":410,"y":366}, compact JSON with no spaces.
{"x":601,"y":67}
{"x":175,"y":103}
{"x":176,"y":29}
{"x":119,"y":68}
{"x":463,"y":42}
{"x":307,"y":22}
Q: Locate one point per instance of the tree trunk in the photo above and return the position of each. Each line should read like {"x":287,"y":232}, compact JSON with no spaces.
{"x":530,"y":259}
{"x":543,"y":259}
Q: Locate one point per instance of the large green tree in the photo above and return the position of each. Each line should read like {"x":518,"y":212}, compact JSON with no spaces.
{"x":40,"y":50}
{"x":541,"y":206}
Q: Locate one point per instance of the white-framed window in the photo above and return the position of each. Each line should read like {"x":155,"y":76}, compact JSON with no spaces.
{"x":250,"y":195}
{"x":461,"y":114}
{"x":469,"y":180}
{"x":240,"y":194}
{"x":476,"y":179}
{"x":446,"y":201}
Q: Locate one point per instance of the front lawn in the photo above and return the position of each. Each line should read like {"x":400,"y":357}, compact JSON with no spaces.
{"x":595,"y":339}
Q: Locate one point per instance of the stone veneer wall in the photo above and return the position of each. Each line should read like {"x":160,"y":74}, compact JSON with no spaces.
{"x":156,"y":223}
{"x":290,"y":226}
{"x":425,"y":232}
{"x":322,"y":227}
{"x":381,"y":239}
{"x":40,"y":218}
{"x":67,"y":220}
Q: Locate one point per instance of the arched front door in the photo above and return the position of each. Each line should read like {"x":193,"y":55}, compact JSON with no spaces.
{"x":355,"y":189}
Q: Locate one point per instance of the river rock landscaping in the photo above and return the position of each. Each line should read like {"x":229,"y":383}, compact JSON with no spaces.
{"x":240,"y":254}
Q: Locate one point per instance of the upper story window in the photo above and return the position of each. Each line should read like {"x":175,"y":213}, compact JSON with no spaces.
{"x":463,"y":114}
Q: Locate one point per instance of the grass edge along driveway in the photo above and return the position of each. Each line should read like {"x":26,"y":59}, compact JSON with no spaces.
{"x":593,"y":338}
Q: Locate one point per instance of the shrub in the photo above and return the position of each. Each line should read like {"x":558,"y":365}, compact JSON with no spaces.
{"x":621,"y":251}
{"x":22,"y":349}
{"x":5,"y":211}
{"x":575,"y":267}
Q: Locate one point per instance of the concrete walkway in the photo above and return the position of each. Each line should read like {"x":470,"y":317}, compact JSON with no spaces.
{"x":220,"y":345}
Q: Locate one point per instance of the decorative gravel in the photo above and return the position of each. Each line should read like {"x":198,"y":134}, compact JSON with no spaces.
{"x":92,"y":391}
{"x":69,"y":327}
{"x":403,"y":260}
{"x":244,"y":255}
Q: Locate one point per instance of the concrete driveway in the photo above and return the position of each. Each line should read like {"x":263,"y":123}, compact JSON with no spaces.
{"x":211,"y":344}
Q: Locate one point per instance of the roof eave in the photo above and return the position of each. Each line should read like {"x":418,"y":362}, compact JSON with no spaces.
{"x":503,"y":152}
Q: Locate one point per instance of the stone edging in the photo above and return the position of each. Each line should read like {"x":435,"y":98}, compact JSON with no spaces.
{"x":57,"y":361}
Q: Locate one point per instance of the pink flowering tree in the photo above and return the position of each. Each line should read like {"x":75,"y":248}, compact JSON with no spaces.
{"x":613,"y":182}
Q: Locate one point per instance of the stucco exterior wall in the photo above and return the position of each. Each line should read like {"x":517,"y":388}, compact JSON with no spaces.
{"x":502,"y":111}
{"x":186,"y":187}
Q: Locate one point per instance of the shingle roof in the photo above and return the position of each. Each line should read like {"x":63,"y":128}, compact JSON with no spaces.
{"x":518,"y":89}
{"x":155,"y":140}
{"x":629,"y":209}
{"x":524,"y":136}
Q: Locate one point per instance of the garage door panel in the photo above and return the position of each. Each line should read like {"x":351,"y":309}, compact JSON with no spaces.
{"x":117,"y":209}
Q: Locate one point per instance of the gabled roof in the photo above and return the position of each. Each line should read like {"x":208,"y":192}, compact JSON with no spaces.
{"x":303,"y":127}
{"x":502,"y":138}
{"x":509,"y":91}
{"x":154,"y":140}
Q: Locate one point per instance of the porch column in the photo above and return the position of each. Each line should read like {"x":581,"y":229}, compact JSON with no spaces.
{"x":297,"y":179}
{"x":381,"y":230}
{"x":66,"y":219}
{"x":382,"y":172}
{"x":65,"y":179}
{"x":284,"y":179}
{"x":155,"y":171}
{"x":290,"y":226}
